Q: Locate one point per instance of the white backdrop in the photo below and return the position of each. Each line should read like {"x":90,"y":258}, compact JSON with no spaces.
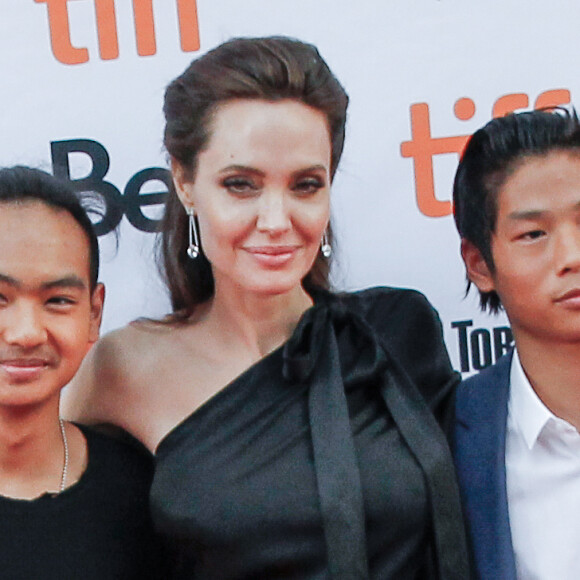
{"x":90,"y":74}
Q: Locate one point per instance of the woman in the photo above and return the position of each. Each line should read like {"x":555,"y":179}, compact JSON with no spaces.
{"x":294,"y":429}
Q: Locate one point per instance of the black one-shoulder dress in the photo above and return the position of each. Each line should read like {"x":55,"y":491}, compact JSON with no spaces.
{"x":325,"y":459}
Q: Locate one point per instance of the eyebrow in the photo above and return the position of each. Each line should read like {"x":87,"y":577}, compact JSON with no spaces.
{"x":65,"y":282}
{"x":253,"y":170}
{"x":531,"y":214}
{"x":534,"y":214}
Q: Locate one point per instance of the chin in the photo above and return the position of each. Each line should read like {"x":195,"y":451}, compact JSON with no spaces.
{"x":23,"y":399}
{"x":275,"y":287}
{"x":273,"y":290}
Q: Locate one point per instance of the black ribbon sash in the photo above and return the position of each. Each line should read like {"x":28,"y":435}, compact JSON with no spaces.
{"x":313,"y":355}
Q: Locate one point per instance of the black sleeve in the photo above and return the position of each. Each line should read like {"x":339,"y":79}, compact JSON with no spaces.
{"x":411,"y":331}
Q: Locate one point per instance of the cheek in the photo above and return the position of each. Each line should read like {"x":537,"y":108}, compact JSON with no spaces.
{"x":222,"y":226}
{"x":220,"y":238}
{"x":75,"y":338}
{"x":313,"y":221}
{"x":317,"y":231}
{"x":526,"y":270}
{"x":318,"y":228}
{"x":519,"y":289}
{"x":72,"y":352}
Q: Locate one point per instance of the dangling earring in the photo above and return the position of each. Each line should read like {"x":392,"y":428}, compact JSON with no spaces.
{"x":325,"y":247}
{"x":193,"y":248}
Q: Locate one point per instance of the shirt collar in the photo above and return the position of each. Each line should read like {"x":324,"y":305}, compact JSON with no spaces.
{"x":525,"y":407}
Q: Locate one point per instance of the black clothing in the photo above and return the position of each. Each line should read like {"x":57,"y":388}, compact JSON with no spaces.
{"x":97,"y":529}
{"x":323,"y":459}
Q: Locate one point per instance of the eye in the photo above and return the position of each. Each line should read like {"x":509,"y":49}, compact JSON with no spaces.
{"x":532,"y":235}
{"x":308,"y":185}
{"x":240,"y":185}
{"x":61,"y":302}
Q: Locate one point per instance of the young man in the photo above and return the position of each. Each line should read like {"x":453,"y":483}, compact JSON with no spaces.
{"x":517,"y":446}
{"x":73,"y":503}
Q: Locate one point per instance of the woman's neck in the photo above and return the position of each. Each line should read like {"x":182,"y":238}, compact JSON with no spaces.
{"x":261,"y":322}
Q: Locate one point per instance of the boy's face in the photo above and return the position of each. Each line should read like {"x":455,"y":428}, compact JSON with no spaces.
{"x":48,"y":316}
{"x":536,"y":249}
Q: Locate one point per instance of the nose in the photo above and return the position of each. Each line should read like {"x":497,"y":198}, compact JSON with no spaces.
{"x":273,"y":215}
{"x":568,"y":248}
{"x":22,"y":326}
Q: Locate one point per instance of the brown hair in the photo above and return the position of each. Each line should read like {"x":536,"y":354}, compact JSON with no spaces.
{"x":271,"y":69}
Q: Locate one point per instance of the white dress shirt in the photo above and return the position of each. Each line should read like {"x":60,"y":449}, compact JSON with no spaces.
{"x":543,"y":485}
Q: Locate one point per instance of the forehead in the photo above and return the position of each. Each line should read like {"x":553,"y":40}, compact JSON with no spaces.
{"x":548,"y":182}
{"x":244,"y":128}
{"x":38,"y":242}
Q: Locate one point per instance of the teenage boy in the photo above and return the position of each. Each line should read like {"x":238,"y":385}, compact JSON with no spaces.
{"x":517,"y":446}
{"x":73,"y":503}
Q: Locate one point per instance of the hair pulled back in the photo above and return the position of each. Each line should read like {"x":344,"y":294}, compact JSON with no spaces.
{"x":491,"y":156}
{"x":270,"y":69}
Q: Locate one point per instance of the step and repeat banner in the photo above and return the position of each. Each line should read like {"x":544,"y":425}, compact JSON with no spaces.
{"x":81,"y":93}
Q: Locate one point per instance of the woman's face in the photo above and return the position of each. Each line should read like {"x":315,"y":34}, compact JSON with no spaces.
{"x":261,"y":193}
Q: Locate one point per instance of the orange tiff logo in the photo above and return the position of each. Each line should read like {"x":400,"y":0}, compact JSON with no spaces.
{"x":423,"y":146}
{"x":65,"y":52}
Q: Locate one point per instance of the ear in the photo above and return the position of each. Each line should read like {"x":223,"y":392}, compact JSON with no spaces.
{"x":183,"y":186}
{"x":97,"y":301}
{"x":477,"y":269}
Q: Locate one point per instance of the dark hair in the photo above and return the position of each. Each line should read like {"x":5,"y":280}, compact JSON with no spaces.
{"x":270,"y":69}
{"x":492,"y":154}
{"x":22,"y":184}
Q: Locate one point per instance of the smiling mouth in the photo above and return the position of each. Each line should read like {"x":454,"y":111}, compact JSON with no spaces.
{"x":570,"y":298}
{"x":272,"y":256}
{"x":271,"y":250}
{"x":23,"y":370}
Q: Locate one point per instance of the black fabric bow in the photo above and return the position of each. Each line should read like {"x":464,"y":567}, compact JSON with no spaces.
{"x":354,"y":337}
{"x":327,"y":332}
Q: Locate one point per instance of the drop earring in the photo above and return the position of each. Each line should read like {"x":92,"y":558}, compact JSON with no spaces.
{"x":325,"y":247}
{"x":193,"y":247}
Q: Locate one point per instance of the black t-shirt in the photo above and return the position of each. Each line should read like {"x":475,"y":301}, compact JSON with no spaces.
{"x":99,"y":528}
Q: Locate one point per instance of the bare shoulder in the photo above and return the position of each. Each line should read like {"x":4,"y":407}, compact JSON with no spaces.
{"x":110,"y":373}
{"x":148,"y":376}
{"x":128,"y":346}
